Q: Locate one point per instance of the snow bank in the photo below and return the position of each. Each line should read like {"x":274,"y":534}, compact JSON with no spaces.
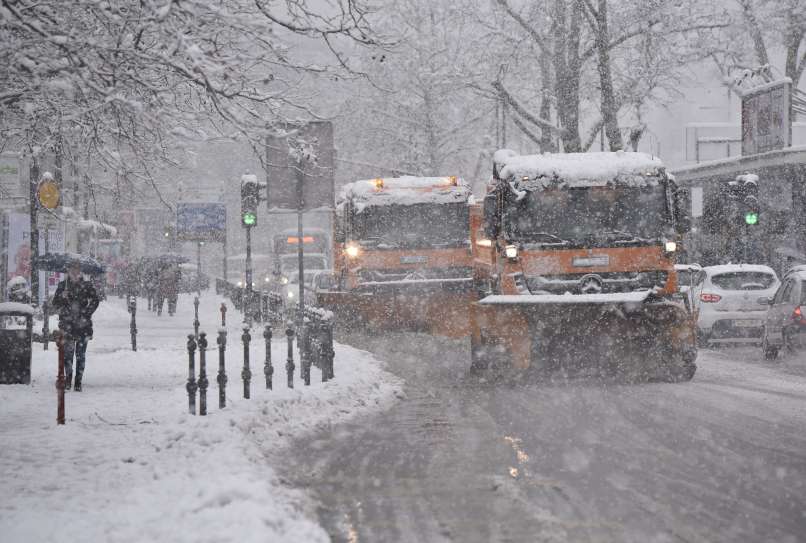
{"x":570,"y":170}
{"x":132,"y":465}
{"x":568,"y":298}
{"x":407,"y":190}
{"x":16,"y":308}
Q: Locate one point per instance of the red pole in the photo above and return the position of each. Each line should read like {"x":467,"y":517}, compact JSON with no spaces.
{"x":60,"y":380}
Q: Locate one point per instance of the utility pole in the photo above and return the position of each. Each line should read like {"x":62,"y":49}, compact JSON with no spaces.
{"x":300,"y":251}
{"x":34,"y":239}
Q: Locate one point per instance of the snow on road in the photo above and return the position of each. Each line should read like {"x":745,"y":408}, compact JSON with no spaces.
{"x":132,"y":465}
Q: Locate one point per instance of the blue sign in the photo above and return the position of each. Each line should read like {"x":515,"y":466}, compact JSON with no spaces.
{"x":201,"y":222}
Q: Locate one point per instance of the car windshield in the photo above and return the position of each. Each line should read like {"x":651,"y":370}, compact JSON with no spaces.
{"x":618,"y":215}
{"x":420,"y":225}
{"x":743,"y":280}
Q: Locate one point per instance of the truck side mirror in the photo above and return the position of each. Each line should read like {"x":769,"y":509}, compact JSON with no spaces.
{"x":682,"y":211}
{"x":491,"y":219}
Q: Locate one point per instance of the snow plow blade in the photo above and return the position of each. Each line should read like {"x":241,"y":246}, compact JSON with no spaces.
{"x":626,"y":333}
{"x":438,"y":308}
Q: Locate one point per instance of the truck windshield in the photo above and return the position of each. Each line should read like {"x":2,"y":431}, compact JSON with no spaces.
{"x":618,"y":215}
{"x":419,"y":225}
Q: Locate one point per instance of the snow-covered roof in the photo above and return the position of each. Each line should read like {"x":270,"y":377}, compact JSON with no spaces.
{"x":16,"y":308}
{"x":569,"y":170}
{"x":407,"y":190}
{"x":729,"y":268}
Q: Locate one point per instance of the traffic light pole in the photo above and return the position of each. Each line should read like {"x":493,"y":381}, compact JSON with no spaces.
{"x":249,"y":261}
{"x":300,"y":251}
{"x":34,"y":233}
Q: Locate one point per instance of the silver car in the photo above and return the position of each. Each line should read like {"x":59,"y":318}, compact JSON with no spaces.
{"x":785,"y":325}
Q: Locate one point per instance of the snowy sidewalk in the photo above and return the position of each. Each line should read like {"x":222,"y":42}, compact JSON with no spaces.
{"x":132,"y":465}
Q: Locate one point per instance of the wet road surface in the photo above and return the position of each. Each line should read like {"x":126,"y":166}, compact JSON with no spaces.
{"x":722,"y":458}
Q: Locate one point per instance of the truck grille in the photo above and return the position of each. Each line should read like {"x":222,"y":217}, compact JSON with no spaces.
{"x":385,"y":275}
{"x":609,"y":281}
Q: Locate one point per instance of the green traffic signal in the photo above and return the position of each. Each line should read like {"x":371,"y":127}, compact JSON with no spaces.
{"x":751,"y":218}
{"x":249,"y":218}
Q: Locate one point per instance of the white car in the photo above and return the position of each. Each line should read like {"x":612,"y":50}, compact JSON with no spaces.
{"x":729,"y":307}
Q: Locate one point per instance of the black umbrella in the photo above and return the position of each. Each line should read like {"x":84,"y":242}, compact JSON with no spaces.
{"x":59,"y":262}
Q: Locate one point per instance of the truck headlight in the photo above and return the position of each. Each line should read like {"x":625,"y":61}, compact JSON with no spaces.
{"x":671,"y":246}
{"x":352,"y":251}
{"x":511,"y":251}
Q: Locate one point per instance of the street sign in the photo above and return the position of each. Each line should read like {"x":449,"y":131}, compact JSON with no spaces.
{"x":313,"y":143}
{"x":767,"y":117}
{"x":48,"y":194}
{"x":201,"y":221}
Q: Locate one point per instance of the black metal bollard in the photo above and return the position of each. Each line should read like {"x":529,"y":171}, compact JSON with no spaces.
{"x":246,"y":374}
{"x":203,"y":374}
{"x":45,"y":324}
{"x":133,"y":324}
{"x":329,"y":352}
{"x":191,"y":386}
{"x":223,"y":314}
{"x":305,"y":353}
{"x":196,"y":318}
{"x":268,"y":369}
{"x":222,"y":370}
{"x":289,"y":365}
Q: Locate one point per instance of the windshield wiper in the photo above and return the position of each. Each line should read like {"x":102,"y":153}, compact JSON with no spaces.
{"x":551,"y":237}
{"x":627,"y":236}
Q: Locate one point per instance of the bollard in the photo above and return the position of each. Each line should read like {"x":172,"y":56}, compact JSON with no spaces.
{"x":196,"y":318}
{"x":305,"y":353}
{"x":203,"y":374}
{"x":60,"y":379}
{"x":223,"y":314}
{"x":133,"y":323}
{"x":289,"y":365}
{"x":222,"y":370}
{"x":45,"y":324}
{"x":246,"y":374}
{"x":191,"y":386}
{"x":329,"y":352}
{"x":268,"y":369}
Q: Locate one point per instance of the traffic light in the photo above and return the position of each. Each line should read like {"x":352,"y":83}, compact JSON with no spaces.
{"x":250,"y":196}
{"x":751,"y":209}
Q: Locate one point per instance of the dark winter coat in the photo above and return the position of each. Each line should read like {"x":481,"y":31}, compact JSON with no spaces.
{"x":76,"y":301}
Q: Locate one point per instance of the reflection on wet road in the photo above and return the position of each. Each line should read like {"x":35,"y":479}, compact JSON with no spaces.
{"x":722,"y":458}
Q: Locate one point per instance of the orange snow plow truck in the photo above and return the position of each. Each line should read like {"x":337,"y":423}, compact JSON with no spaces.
{"x":573,"y":259}
{"x":402,"y":256}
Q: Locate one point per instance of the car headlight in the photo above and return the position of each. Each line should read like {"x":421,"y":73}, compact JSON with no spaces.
{"x":240,"y":283}
{"x":511,"y":251}
{"x":352,"y":251}
{"x":290,"y":293}
{"x":284,"y":280}
{"x":671,"y":246}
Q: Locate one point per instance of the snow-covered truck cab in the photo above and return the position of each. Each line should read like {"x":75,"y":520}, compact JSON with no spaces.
{"x":401,"y":254}
{"x":577,"y":251}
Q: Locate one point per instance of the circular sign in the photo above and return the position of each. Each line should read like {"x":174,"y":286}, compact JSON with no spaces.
{"x":48,"y":194}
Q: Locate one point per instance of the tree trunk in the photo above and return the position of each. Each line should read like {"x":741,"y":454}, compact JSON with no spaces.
{"x":567,"y":71}
{"x":609,"y":105}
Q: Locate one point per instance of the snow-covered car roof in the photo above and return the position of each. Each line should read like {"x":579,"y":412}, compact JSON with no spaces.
{"x":729,"y":268}
{"x":798,"y":274}
{"x":407,"y":190}
{"x":579,"y":170}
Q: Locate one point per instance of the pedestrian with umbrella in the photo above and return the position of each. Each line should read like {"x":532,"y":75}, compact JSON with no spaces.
{"x":75,"y":300}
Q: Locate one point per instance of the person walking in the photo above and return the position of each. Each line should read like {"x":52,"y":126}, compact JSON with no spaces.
{"x":168,"y":289}
{"x":76,"y":300}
